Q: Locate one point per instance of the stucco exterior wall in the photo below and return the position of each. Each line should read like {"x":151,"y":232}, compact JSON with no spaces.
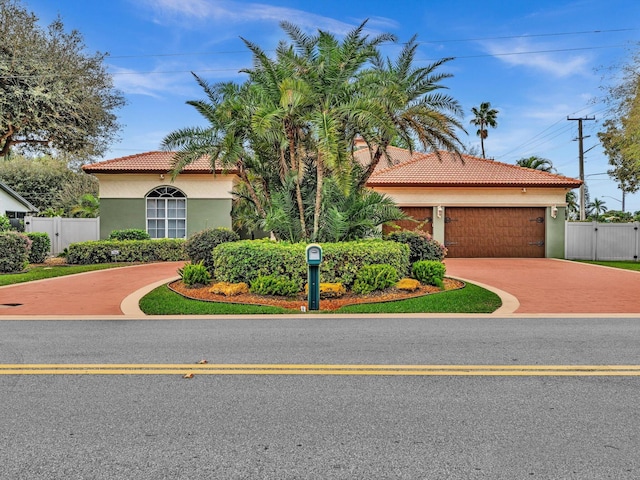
{"x":476,"y":196}
{"x":138,"y":185}
{"x":122,"y":200}
{"x":555,"y":233}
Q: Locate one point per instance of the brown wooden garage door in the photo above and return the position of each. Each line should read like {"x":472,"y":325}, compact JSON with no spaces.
{"x":494,"y":232}
{"x":422,"y":220}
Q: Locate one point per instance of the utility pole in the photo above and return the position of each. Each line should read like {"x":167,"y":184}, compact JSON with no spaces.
{"x":581,"y":148}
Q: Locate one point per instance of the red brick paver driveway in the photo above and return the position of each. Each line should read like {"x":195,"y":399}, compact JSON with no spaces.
{"x":93,"y":293}
{"x":545,"y":285}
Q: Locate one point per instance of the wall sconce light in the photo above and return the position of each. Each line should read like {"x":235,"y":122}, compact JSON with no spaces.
{"x":554,"y":211}
{"x":524,"y":190}
{"x":162,"y":176}
{"x":439,"y":211}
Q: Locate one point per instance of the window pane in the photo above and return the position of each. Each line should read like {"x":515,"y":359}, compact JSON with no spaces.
{"x":160,"y":206}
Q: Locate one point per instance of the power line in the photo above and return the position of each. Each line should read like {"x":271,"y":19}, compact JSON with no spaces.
{"x":164,"y":72}
{"x":421,"y":42}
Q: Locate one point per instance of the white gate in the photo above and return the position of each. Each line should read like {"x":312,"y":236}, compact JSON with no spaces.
{"x":64,"y":231}
{"x":602,"y":241}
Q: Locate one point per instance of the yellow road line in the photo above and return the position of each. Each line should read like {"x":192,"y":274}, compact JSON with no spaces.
{"x":319,"y":369}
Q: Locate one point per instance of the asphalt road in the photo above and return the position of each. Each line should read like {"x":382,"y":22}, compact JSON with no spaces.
{"x":320,"y":426}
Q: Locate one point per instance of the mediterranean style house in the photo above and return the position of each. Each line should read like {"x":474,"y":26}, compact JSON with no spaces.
{"x":476,"y":207}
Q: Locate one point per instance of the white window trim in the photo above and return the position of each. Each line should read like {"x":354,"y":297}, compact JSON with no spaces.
{"x":166,"y":210}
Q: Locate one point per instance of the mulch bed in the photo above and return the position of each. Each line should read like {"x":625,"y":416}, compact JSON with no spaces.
{"x":294,"y":303}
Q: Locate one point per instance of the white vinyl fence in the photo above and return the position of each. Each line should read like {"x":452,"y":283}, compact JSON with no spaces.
{"x":602,"y":241}
{"x":64,"y":231}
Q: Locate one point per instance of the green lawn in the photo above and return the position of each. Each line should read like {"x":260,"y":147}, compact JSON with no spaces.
{"x":626,"y":265}
{"x":471,"y":299}
{"x":39,"y":273}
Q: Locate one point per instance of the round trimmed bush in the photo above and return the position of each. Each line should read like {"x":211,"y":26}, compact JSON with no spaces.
{"x":40,"y":247}
{"x":422,"y":246}
{"x":199,"y":246}
{"x":375,"y":277}
{"x":14,"y":252}
{"x":430,"y":272}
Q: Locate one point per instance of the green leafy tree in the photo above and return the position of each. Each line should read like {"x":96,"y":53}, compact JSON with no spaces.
{"x":46,"y":182}
{"x":53,"y":95}
{"x":626,"y":170}
{"x":483,"y":117}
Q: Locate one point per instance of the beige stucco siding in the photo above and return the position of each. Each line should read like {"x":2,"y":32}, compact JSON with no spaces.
{"x":138,"y":185}
{"x":476,"y":196}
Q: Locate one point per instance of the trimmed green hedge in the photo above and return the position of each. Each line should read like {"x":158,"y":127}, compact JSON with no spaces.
{"x":14,"y":252}
{"x":246,"y":260}
{"x":160,"y":250}
{"x":129,"y":234}
{"x":40,"y":247}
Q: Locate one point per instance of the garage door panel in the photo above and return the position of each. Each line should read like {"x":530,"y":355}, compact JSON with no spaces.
{"x":495,"y":232}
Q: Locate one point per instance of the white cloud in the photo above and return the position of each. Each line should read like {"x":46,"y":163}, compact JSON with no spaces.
{"x":522,"y":53}
{"x":226,"y":11}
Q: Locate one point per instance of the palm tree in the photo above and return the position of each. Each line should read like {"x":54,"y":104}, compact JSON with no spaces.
{"x":573,"y":208}
{"x":536,"y":163}
{"x":402,"y":104}
{"x":289,"y":129}
{"x":88,"y":206}
{"x":484,"y":117}
{"x":596,"y":208}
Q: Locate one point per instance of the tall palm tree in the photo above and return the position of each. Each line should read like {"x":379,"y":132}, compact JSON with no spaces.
{"x":289,"y":129}
{"x":402,"y":103}
{"x":484,"y":116}
{"x":536,"y":163}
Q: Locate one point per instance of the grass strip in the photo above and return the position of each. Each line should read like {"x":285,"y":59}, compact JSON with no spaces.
{"x":625,"y":265}
{"x":470,"y":299}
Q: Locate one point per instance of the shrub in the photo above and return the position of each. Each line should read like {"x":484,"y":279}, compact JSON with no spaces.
{"x":194,"y":275}
{"x":422,"y":246}
{"x":160,"y":250}
{"x":5,"y":223}
{"x":40,"y":247}
{"x":430,"y":272}
{"x":229,"y":289}
{"x":14,"y":252}
{"x":375,"y":277}
{"x":330,"y":290}
{"x":199,"y":246}
{"x":246,"y":260}
{"x":408,"y":284}
{"x":274,"y":285}
{"x":129,"y":234}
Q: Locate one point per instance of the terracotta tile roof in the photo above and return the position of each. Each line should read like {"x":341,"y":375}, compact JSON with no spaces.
{"x":401,"y":169}
{"x":426,"y":169}
{"x":149,"y":162}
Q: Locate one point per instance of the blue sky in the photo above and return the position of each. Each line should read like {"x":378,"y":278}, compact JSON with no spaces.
{"x":536,"y":62}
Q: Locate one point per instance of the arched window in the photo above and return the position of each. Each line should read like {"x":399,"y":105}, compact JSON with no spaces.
{"x":166,"y":213}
